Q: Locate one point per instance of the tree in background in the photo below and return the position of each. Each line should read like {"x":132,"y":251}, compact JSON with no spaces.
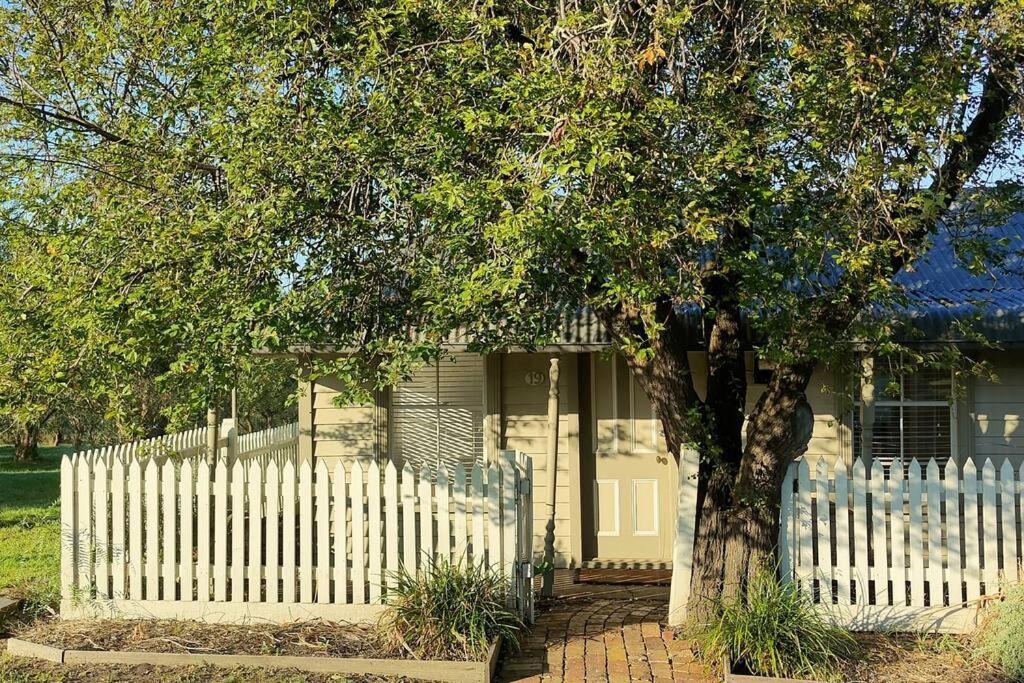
{"x":219,"y":176}
{"x":65,"y":373}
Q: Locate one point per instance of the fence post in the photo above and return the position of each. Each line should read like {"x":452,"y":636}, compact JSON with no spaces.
{"x":211,"y":437}
{"x":227,"y":428}
{"x":686,"y":527}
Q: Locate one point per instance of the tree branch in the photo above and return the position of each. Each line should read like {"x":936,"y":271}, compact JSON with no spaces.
{"x":46,"y":113}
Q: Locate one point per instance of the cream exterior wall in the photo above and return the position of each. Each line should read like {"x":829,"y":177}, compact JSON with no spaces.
{"x":990,"y":423}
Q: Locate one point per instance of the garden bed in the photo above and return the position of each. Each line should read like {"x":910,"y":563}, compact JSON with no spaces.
{"x":309,"y":646}
{"x":908,"y":658}
{"x":918,"y":658}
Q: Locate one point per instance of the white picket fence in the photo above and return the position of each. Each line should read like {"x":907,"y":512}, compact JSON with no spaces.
{"x":262,"y":536}
{"x":901,"y":548}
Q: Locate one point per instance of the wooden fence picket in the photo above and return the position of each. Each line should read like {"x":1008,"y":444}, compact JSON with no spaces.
{"x":1008,"y":508}
{"x":408,"y":519}
{"x":860,"y":533}
{"x":186,"y":500}
{"x":990,"y":529}
{"x":135,"y":570}
{"x":461,"y":545}
{"x":954,"y":563}
{"x":152,"y":504}
{"x":220,"y":531}
{"x":237,"y":547}
{"x":305,"y":532}
{"x":169,"y":494}
{"x":787,"y":544}
{"x":204,"y":501}
{"x":288,"y":523}
{"x":373,"y":518}
{"x":443,"y":516}
{"x":879,"y":545}
{"x":340,"y":535}
{"x":426,"y":549}
{"x":273,"y":553}
{"x":916,"y":534}
{"x":479,"y":507}
{"x":972,"y":545}
{"x":935,"y":574}
{"x":118,"y":547}
{"x":68,"y":529}
{"x":843,"y":569}
{"x":805,"y":556}
{"x":823,"y":531}
{"x":358,"y":536}
{"x":493,"y":518}
{"x":898,"y":540}
{"x":254,"y":539}
{"x":323,"y":533}
{"x":83,"y":524}
{"x":391,"y":528}
{"x":101,"y":504}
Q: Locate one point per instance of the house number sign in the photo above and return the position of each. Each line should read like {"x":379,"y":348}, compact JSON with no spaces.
{"x":535,"y":378}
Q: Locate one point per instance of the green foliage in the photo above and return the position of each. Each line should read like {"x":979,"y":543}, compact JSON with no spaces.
{"x":776,"y":631}
{"x":185,"y":183}
{"x":1002,"y":637}
{"x":449,"y":611}
{"x":30,"y":529}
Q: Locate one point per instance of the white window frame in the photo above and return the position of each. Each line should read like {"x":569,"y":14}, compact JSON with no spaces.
{"x":903,"y":402}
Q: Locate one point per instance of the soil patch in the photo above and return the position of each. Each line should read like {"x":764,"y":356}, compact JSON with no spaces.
{"x":909,"y":658}
{"x":20,"y":670}
{"x":305,"y":639}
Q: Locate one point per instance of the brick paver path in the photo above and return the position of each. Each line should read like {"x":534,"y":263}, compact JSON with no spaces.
{"x":604,"y":633}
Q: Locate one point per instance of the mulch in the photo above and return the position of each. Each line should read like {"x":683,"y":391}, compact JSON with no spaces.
{"x":306,"y":639}
{"x":909,"y":658}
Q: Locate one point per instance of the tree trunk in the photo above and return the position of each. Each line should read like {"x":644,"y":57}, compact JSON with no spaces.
{"x":739,"y":483}
{"x":26,"y":443}
{"x":737,"y":528}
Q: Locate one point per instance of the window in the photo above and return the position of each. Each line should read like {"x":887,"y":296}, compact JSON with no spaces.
{"x":913,"y":418}
{"x":437,"y":416}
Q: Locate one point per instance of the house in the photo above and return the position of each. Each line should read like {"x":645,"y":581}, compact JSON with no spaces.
{"x":616,"y":482}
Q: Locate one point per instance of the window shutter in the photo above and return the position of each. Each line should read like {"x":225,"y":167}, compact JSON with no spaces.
{"x":438,"y":413}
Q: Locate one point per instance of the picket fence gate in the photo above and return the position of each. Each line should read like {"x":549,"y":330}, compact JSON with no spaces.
{"x":899,"y":547}
{"x":260,"y":535}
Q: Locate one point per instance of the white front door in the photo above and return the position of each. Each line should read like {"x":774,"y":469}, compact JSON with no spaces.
{"x":633,"y":477}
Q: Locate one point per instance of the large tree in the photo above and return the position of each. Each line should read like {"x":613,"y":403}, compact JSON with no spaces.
{"x":219,"y":176}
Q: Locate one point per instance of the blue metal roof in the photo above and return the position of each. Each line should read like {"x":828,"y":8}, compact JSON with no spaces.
{"x":940,"y":290}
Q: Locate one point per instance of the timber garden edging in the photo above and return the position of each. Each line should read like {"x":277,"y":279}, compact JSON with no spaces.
{"x":433,"y":670}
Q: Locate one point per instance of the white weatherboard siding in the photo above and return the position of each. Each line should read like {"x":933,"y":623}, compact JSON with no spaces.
{"x":524,"y":396}
{"x":345,"y":431}
{"x":998,"y":409}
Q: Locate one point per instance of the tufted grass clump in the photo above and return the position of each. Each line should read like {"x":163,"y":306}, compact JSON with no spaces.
{"x":1001,"y":638}
{"x":775,"y":631}
{"x":449,"y":611}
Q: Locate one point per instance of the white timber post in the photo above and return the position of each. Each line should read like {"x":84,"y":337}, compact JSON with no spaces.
{"x":211,"y":437}
{"x":548,"y":584}
{"x":227,"y":428}
{"x":685,"y":530}
{"x":867,"y":409}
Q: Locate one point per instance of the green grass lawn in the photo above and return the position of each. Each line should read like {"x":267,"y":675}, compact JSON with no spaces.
{"x":30,"y":525}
